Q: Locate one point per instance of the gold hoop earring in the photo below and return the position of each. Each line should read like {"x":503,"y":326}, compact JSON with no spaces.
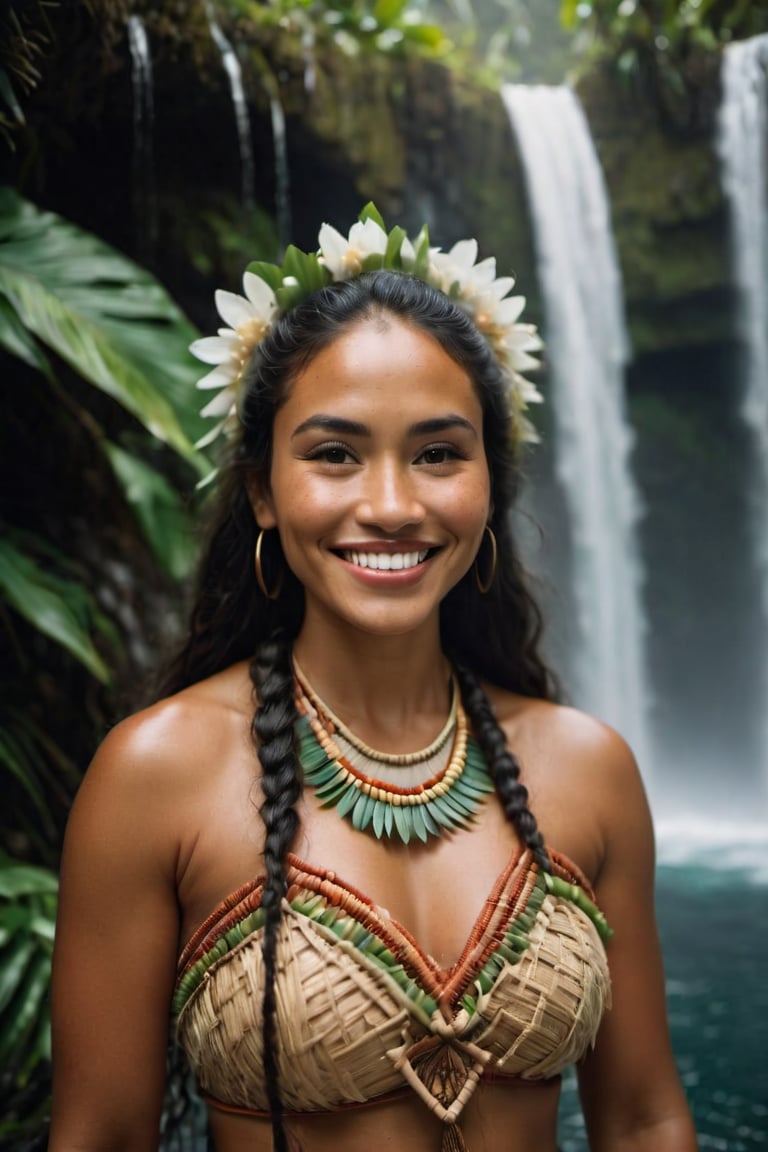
{"x":273,"y":595}
{"x":485,"y":585}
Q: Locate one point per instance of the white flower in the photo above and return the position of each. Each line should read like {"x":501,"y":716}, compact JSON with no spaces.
{"x":407,"y":254}
{"x":249,"y":319}
{"x":344,"y":258}
{"x":472,"y":284}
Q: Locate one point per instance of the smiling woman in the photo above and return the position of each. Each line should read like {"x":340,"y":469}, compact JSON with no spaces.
{"x":392,"y":953}
{"x":380,"y":500}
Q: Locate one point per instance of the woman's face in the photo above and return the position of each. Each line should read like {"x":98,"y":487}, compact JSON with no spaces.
{"x":379,"y":484}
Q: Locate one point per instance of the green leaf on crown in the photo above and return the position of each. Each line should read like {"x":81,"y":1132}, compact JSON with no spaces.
{"x":421,"y":249}
{"x":371,"y":212}
{"x":271,"y":274}
{"x":392,"y":258}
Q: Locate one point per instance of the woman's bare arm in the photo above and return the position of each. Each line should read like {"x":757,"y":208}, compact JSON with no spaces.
{"x":116,"y":942}
{"x":632,"y":1097}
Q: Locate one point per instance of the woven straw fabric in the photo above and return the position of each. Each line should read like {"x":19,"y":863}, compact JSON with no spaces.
{"x":337,"y":1016}
{"x":344,"y":1024}
{"x":543,"y":1013}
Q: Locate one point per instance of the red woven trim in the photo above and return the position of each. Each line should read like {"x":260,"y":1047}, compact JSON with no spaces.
{"x":397,"y":939}
{"x":507,"y":899}
{"x":231,"y":910}
{"x":567,"y":870}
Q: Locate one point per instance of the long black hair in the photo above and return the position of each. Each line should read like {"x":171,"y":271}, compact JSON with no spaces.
{"x":493,"y":636}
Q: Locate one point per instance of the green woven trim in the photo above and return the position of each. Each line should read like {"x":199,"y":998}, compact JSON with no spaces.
{"x":333,"y":788}
{"x":559,"y":887}
{"x":194,"y":975}
{"x":516,"y":941}
{"x":343,"y":925}
{"x":368,"y":944}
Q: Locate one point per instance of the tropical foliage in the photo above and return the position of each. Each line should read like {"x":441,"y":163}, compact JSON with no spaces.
{"x":353,"y":25}
{"x":666,"y":32}
{"x":27,"y":911}
{"x":667,"y":24}
{"x":27,"y":35}
{"x":97,"y":411}
{"x":666,"y":51}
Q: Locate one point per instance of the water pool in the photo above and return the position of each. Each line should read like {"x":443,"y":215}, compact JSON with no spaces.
{"x":713,"y":917}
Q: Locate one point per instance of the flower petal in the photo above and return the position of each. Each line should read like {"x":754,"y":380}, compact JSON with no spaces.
{"x":500,"y":287}
{"x":260,"y":295}
{"x":524,"y":335}
{"x":220,"y":405}
{"x":407,"y":253}
{"x":204,"y":442}
{"x":221,"y":377}
{"x":464,"y":254}
{"x":333,"y":248}
{"x":482,"y":275}
{"x":233,"y":308}
{"x":211,"y":349}
{"x":507,"y":311}
{"x":523,"y":362}
{"x":372,"y":237}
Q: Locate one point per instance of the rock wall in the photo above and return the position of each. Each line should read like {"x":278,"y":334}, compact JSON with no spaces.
{"x":424,"y":141}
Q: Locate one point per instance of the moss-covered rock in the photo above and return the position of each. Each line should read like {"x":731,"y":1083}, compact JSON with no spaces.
{"x":423,"y":139}
{"x":669,"y":216}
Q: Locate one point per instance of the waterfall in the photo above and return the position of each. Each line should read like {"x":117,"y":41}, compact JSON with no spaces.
{"x":742,"y":141}
{"x":242,"y":119}
{"x":282,"y":182}
{"x":587,"y":349}
{"x":144,"y":194}
{"x":308,"y":54}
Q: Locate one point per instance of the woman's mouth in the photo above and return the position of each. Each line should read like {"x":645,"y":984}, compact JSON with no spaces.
{"x":386,"y":561}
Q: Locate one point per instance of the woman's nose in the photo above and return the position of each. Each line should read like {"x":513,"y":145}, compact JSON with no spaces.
{"x":389,"y":498}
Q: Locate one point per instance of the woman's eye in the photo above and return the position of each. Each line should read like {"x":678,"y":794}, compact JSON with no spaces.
{"x":331,"y":454}
{"x":439,"y":454}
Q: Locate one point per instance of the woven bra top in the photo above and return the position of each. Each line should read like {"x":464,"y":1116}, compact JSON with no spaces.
{"x":363,"y":1011}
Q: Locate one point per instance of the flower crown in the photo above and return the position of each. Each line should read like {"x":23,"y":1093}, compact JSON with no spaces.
{"x":272,"y":289}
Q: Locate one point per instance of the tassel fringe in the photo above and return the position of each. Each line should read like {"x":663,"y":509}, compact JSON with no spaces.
{"x":453,"y":1139}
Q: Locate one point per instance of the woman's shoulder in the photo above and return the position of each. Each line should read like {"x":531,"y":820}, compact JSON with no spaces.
{"x":581,"y":775}
{"x":560,"y":731}
{"x":179,"y":733}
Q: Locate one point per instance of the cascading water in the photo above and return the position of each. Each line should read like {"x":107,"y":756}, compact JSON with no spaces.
{"x":308,"y":53}
{"x":282,"y":180}
{"x":242,"y":119}
{"x":587,"y":349}
{"x":743,"y":151}
{"x":144,"y":195}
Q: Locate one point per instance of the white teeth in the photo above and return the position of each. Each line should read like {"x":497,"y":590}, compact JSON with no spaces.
{"x":386,"y":561}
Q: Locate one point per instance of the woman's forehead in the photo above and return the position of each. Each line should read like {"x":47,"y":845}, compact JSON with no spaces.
{"x":382,"y":367}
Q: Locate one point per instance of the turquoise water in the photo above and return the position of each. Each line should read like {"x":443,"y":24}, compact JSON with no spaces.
{"x":713,"y":917}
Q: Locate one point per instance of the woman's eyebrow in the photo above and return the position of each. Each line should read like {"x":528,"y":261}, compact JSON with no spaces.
{"x":343,"y":427}
{"x":442,"y":424}
{"x":332,"y":424}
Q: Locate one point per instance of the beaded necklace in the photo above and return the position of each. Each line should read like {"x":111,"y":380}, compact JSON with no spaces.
{"x":447,"y":799}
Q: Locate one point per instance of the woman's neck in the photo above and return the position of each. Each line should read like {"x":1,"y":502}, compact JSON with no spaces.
{"x":379,"y":685}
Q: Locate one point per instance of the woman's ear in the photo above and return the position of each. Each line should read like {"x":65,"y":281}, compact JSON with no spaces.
{"x":260,"y":499}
